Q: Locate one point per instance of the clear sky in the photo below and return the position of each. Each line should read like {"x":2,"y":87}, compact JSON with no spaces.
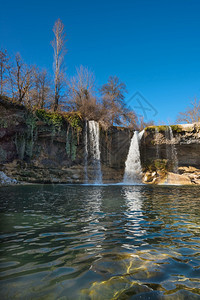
{"x":151,"y":45}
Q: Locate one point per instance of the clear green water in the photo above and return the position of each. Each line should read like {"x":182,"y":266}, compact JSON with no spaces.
{"x":100,"y":242}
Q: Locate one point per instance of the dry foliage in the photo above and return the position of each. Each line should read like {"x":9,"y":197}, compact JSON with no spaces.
{"x":191,"y":114}
{"x":82,"y":96}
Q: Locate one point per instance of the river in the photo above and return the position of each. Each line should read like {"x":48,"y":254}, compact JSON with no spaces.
{"x":99,"y":242}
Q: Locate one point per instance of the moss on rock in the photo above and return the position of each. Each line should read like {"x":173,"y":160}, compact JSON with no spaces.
{"x":176,"y":128}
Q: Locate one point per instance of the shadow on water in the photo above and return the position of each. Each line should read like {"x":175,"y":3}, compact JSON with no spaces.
{"x":100,"y":242}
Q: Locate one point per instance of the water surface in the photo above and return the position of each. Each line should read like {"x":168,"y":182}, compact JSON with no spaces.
{"x":100,"y":242}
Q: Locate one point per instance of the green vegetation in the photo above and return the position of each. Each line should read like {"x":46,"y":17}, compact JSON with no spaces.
{"x":160,"y":128}
{"x":163,"y":165}
{"x":72,"y":123}
{"x":67,"y":145}
{"x":24,"y":145}
{"x":57,"y":120}
{"x":71,"y":143}
{"x":157,"y":164}
{"x":31,"y":122}
{"x":75,"y":120}
{"x":50,"y":118}
{"x":3,"y":154}
{"x":20,"y":143}
{"x":163,"y":128}
{"x":176,"y":128}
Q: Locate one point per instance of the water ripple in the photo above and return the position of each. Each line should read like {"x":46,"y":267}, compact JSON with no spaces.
{"x":103,"y":242}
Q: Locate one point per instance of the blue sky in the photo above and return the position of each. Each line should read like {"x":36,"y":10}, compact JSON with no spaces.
{"x":151,"y":45}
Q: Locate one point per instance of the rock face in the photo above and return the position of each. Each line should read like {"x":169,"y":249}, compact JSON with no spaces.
{"x":43,"y":147}
{"x":171,"y":154}
{"x":47,"y":148}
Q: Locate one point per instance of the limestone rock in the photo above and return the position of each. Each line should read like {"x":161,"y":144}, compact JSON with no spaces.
{"x":5,"y":180}
{"x":188,"y":169}
{"x":176,"y":179}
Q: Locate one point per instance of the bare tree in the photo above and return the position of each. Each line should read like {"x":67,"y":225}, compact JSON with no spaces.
{"x":22,"y":77}
{"x":41,"y":92}
{"x":113,"y":94}
{"x":82,"y":96}
{"x":141,"y":124}
{"x":4,"y":65}
{"x":58,"y":45}
{"x":191,"y":114}
{"x":81,"y":87}
{"x":128,"y":117}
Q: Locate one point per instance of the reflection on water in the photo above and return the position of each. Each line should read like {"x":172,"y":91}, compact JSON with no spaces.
{"x":134,"y":215}
{"x":100,"y":242}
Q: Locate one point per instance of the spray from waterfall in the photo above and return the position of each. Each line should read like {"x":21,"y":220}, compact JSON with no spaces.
{"x":94,"y":148}
{"x":133,"y":168}
{"x":171,"y":152}
{"x":86,"y":153}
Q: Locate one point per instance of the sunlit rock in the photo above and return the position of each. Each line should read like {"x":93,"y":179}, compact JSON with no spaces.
{"x":5,"y":180}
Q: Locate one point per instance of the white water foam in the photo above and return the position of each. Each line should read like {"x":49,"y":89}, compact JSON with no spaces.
{"x":173,"y":151}
{"x":86,"y":153}
{"x":133,"y":168}
{"x":95,"y":150}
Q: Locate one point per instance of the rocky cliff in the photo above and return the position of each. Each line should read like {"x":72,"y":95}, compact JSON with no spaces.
{"x":171,"y":154}
{"x":43,"y":147}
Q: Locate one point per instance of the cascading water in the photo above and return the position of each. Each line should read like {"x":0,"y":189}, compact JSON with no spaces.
{"x":171,"y":149}
{"x":171,"y":155}
{"x":86,"y":153}
{"x":133,"y":168}
{"x":95,"y":151}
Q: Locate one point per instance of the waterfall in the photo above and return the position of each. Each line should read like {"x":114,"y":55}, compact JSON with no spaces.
{"x":86,"y":153}
{"x":133,"y":168}
{"x":171,"y":149}
{"x":95,"y":151}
